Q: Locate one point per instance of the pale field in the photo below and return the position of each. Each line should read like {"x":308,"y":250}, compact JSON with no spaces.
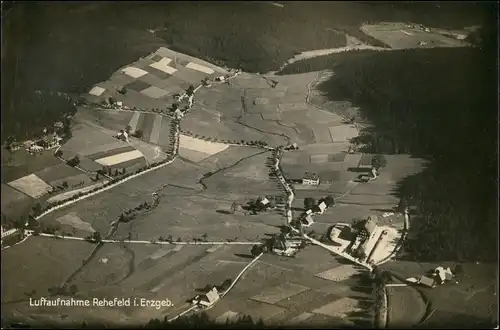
{"x":154,"y":92}
{"x":120,"y":158}
{"x":73,"y":221}
{"x":31,"y":185}
{"x":134,"y":72}
{"x":211,"y":148}
{"x":156,"y":130}
{"x":165,"y":52}
{"x":163,"y":66}
{"x":338,"y":274}
{"x":338,"y":308}
{"x":192,"y":155}
{"x":200,"y":68}
{"x":97,"y":91}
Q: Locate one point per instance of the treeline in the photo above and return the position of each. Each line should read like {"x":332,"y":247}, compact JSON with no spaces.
{"x":441,"y":105}
{"x":31,"y":112}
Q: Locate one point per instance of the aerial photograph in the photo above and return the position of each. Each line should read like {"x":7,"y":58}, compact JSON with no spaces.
{"x":249,"y":164}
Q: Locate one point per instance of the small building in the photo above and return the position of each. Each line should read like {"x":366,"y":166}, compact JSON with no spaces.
{"x":307,"y":221}
{"x":119,"y":103}
{"x":443,"y":275}
{"x":209,"y":298}
{"x":293,"y":146}
{"x":264,"y":202}
{"x":220,"y":78}
{"x":310,"y":179}
{"x":427,"y":281}
{"x":14,"y":146}
{"x":309,"y":212}
{"x":320,"y":208}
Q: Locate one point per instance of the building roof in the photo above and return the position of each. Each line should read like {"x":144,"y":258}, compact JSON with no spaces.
{"x":264,"y":201}
{"x":308,"y":220}
{"x":322,"y":206}
{"x":310,"y":176}
{"x":212,"y":295}
{"x":370,"y":224}
{"x":58,"y":124}
{"x":426,"y":281}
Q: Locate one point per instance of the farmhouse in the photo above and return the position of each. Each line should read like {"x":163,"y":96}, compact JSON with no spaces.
{"x":320,"y":208}
{"x":209,"y":298}
{"x":427,"y":281}
{"x":310,"y":179}
{"x":14,"y":146}
{"x":264,"y":202}
{"x":307,"y":221}
{"x":122,"y":135}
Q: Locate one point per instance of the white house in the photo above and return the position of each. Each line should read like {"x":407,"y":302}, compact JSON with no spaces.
{"x":310,"y":179}
{"x":307,"y":221}
{"x":264,"y":201}
{"x":220,"y":78}
{"x":320,"y":209}
{"x":209,"y":298}
{"x":309,"y":212}
{"x":122,"y":135}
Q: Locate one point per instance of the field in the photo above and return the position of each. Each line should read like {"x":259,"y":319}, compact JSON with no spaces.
{"x":400,"y":36}
{"x":406,"y":307}
{"x":31,"y":185}
{"x":21,"y":163}
{"x":13,"y":202}
{"x":291,"y":293}
{"x":47,"y":263}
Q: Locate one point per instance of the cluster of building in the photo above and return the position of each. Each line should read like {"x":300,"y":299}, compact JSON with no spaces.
{"x":283,"y":245}
{"x":47,"y":142}
{"x":439,"y":276}
{"x":307,"y":216}
{"x":353,"y":239}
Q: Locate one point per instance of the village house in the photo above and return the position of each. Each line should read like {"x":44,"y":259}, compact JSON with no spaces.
{"x":207,"y":299}
{"x":122,"y":135}
{"x":310,"y":179}
{"x":320,"y":208}
{"x":264,"y":202}
{"x":307,"y":221}
{"x":427,"y":281}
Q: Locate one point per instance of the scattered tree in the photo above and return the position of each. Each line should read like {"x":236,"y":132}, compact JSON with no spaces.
{"x":329,"y":200}
{"x":58,"y":153}
{"x":74,"y":161}
{"x":309,"y":203}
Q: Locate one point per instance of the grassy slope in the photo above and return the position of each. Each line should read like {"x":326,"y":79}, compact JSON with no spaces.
{"x":439,"y":104}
